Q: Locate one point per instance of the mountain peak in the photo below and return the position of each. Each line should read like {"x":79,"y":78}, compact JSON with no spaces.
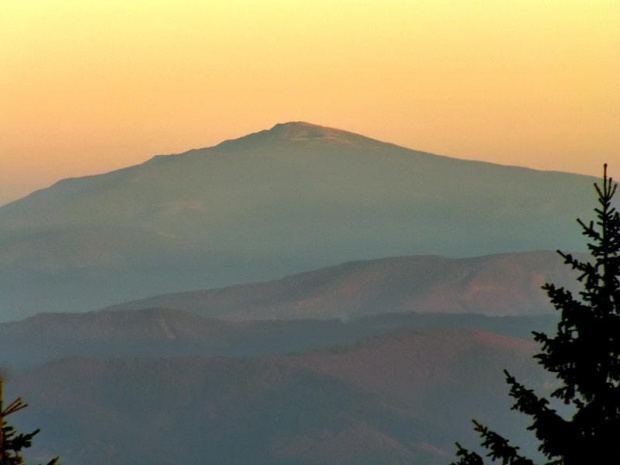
{"x":301,"y":131}
{"x":295,"y":130}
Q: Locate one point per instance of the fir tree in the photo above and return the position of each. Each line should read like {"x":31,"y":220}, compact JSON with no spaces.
{"x":584,"y":355}
{"x":13,"y":443}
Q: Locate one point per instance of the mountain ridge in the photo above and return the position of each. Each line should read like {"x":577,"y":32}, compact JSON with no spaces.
{"x":261,"y":207}
{"x":296,"y":132}
{"x":289,"y":131}
{"x":389,"y":392}
{"x":495,"y":285}
{"x":158,"y":332}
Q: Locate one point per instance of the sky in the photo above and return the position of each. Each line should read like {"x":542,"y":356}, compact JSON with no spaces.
{"x":91,"y":86}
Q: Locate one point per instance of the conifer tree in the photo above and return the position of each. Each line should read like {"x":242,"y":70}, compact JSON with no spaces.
{"x":13,"y":443}
{"x":584,"y":355}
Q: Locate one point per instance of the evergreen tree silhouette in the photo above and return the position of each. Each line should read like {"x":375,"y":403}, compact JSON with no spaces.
{"x":584,"y":355}
{"x":13,"y":443}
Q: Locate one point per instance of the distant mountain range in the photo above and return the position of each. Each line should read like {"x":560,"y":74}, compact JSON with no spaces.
{"x":504,"y":284}
{"x":169,"y":333}
{"x":399,"y":398}
{"x":290,"y":199}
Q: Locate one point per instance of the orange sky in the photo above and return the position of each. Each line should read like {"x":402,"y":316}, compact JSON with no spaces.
{"x":89,"y":86}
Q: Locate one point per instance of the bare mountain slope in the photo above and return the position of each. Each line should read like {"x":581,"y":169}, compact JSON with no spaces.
{"x":505,"y":284}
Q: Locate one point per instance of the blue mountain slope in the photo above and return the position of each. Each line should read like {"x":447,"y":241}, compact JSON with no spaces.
{"x":281,"y":201}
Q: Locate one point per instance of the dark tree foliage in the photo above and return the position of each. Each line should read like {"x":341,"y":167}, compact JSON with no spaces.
{"x":584,"y":355}
{"x":13,"y":443}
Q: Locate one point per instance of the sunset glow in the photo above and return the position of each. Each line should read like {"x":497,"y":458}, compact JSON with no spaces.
{"x":87,"y":87}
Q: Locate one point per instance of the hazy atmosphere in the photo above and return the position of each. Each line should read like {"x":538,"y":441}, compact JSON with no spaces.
{"x":86,"y":87}
{"x":309,"y":232}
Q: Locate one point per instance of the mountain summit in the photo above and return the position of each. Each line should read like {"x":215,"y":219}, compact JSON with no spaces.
{"x":300,"y":132}
{"x":289,"y":199}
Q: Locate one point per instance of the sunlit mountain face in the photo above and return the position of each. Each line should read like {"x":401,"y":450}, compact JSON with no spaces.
{"x":494,"y":285}
{"x":290,"y":199}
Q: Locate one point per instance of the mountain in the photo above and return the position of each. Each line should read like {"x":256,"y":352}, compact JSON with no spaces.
{"x":397,"y":399}
{"x":503,"y":284}
{"x":167,"y":333}
{"x":290,"y":199}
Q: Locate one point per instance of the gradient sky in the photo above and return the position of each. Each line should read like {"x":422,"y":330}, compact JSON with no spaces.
{"x":90,"y":86}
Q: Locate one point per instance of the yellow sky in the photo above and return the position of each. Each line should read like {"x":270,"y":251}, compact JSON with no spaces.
{"x":89,"y":86}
